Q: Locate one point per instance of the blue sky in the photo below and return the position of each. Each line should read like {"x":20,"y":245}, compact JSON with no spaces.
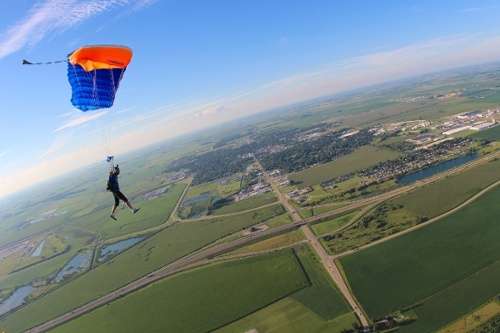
{"x":199,"y":63}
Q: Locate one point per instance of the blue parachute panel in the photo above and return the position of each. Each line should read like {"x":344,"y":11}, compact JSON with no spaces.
{"x":95,"y":89}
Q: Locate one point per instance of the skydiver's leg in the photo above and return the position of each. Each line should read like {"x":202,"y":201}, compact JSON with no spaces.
{"x":115,"y":206}
{"x":125,"y":199}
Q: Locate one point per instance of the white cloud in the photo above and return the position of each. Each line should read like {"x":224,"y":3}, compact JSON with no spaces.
{"x":135,"y":129}
{"x":80,"y":120}
{"x":50,"y":16}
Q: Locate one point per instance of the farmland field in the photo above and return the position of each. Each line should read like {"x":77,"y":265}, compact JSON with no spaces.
{"x":161,"y":249}
{"x":359,"y":159}
{"x":318,"y":308}
{"x":416,"y":207}
{"x":449,"y":267}
{"x":213,"y":293}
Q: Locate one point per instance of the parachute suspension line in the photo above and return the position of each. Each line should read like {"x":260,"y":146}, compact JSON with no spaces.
{"x":27,"y":62}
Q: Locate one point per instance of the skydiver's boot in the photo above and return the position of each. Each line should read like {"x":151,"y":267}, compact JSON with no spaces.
{"x":136,"y":210}
{"x":113,"y":217}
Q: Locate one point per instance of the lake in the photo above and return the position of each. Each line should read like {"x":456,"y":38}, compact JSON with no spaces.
{"x":77,"y":264}
{"x":16,"y":299}
{"x":435,"y":169}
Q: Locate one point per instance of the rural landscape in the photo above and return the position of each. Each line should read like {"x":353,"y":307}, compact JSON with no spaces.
{"x":371,"y":211}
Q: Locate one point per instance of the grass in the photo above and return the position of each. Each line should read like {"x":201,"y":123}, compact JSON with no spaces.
{"x":76,"y":239}
{"x":153,"y":212}
{"x":415,"y":207}
{"x":490,"y":134}
{"x":475,"y":318}
{"x":439,"y":197}
{"x":361,"y":158}
{"x":222,"y":190}
{"x":318,"y":308}
{"x":215,"y":294}
{"x":279,"y":220}
{"x":275,"y":242}
{"x":313,"y":211}
{"x":159,"y":250}
{"x":332,"y":225}
{"x":246,"y":204}
{"x":455,"y":262}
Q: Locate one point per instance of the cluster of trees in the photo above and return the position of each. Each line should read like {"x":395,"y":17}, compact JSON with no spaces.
{"x":227,"y":159}
{"x":414,"y":159}
{"x":214,"y":164}
{"x":308,"y":153}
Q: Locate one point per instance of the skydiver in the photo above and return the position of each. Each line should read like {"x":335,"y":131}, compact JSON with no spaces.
{"x":114,"y":188}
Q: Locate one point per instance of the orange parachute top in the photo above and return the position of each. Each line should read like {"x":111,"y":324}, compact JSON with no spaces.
{"x":101,"y":57}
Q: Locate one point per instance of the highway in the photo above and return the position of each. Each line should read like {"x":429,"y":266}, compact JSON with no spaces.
{"x":328,"y":263}
{"x":204,"y":255}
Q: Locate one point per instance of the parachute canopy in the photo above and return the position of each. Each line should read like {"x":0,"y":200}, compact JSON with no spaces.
{"x":94,"y":73}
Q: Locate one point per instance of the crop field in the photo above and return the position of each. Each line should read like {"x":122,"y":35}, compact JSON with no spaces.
{"x":214,"y":293}
{"x":160,"y":249}
{"x":359,"y":159}
{"x":416,"y":207}
{"x":445,"y":194}
{"x":490,"y":134}
{"x":447,"y":268}
{"x":318,"y":308}
{"x":250,"y":203}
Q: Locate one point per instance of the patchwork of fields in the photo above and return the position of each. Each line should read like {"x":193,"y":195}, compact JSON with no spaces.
{"x":199,"y":300}
{"x":319,"y":308}
{"x":162,"y":248}
{"x":416,"y":207}
{"x":444,"y":270}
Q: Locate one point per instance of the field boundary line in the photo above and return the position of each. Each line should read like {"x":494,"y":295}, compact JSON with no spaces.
{"x":422,"y":225}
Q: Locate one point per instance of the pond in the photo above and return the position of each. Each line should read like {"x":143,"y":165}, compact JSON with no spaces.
{"x":77,"y":264}
{"x":16,"y":299}
{"x":435,"y":169}
{"x":113,"y":249}
{"x":156,"y":193}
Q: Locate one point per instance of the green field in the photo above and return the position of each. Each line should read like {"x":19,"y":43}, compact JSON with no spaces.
{"x":222,"y":189}
{"x":439,"y":197}
{"x":333,"y":224}
{"x":490,"y":134}
{"x":279,"y":220}
{"x":200,"y":300}
{"x":250,"y":203}
{"x":286,"y":239}
{"x":153,"y":212}
{"x":319,"y":308}
{"x":76,"y":239}
{"x":361,"y":158}
{"x":451,"y":267}
{"x":416,"y":207}
{"x":161,"y":249}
